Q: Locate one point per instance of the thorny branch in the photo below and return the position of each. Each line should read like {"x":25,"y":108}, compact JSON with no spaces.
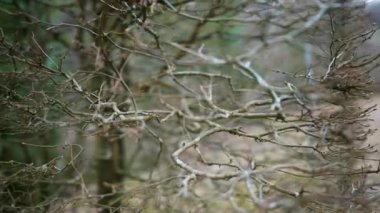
{"x":256,"y":139}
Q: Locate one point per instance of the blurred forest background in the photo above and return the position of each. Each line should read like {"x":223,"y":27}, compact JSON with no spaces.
{"x":188,"y":106}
